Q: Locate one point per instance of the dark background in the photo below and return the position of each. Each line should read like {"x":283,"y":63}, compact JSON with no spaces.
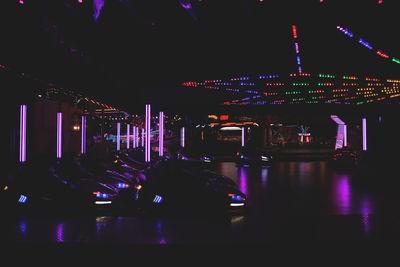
{"x":141,"y":51}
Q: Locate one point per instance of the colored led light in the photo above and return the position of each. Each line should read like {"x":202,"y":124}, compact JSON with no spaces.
{"x":59,"y":135}
{"x":83,"y":135}
{"x":294,"y":31}
{"x":161,"y":135}
{"x":364,"y":43}
{"x":22,"y":199}
{"x":382,"y":54}
{"x":396,"y":60}
{"x":22,"y":134}
{"x":157,"y":199}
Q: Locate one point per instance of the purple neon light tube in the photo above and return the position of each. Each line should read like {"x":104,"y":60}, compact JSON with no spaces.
{"x":183,"y":137}
{"x":22,"y":134}
{"x":161,"y":135}
{"x":147,"y":125}
{"x":83,"y":135}
{"x":118,"y":136}
{"x":143,"y":135}
{"x":136,"y":136}
{"x":345,"y":135}
{"x":242,"y":136}
{"x":128,"y":136}
{"x":364,"y":130}
{"x":59,"y":134}
{"x":133,"y":136}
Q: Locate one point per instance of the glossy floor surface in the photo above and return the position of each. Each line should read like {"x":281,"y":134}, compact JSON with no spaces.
{"x":291,"y":200}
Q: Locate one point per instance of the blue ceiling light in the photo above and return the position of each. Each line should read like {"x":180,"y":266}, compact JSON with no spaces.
{"x":158,"y":199}
{"x":22,"y":199}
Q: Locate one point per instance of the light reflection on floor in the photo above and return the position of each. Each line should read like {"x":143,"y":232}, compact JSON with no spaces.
{"x":288,"y":200}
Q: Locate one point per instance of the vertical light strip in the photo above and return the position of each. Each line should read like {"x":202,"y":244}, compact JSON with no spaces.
{"x":137,"y":137}
{"x":22,"y":134}
{"x":118,"y":136}
{"x":83,"y":135}
{"x":161,"y":135}
{"x":296,"y":44}
{"x":59,"y":135}
{"x":143,"y":135}
{"x":128,"y":136}
{"x":183,"y":137}
{"x":133,"y":136}
{"x":242,"y":136}
{"x":147,"y":126}
{"x":345,"y":135}
{"x":364,"y":130}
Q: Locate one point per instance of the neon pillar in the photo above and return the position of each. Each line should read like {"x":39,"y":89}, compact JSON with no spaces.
{"x":118,"y":136}
{"x":128,"y":136}
{"x":161,"y":135}
{"x":59,"y":134}
{"x":137,"y":136}
{"x":134,"y":136}
{"x":364,"y":130}
{"x":341,"y":137}
{"x":22,"y":134}
{"x":242,"y":136}
{"x":83,"y":135}
{"x":147,"y":125}
{"x":143,"y":134}
{"x":183,"y":137}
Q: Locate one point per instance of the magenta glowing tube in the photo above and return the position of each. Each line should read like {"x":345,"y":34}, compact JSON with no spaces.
{"x":161,"y":135}
{"x":147,"y":126}
{"x":118,"y":136}
{"x":59,"y":135}
{"x":242,"y":136}
{"x":128,"y":136}
{"x":183,"y":137}
{"x":22,"y":134}
{"x":83,"y":135}
{"x":364,"y":131}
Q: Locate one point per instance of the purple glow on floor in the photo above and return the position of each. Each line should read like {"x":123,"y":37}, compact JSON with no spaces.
{"x":342,"y":194}
{"x":366,"y":210}
{"x":60,"y":233}
{"x":97,"y":7}
{"x":243,"y":180}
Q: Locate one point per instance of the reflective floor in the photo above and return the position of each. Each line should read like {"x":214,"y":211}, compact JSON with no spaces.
{"x":291,"y":200}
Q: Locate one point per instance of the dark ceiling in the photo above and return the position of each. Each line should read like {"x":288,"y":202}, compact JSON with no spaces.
{"x":141,"y":51}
